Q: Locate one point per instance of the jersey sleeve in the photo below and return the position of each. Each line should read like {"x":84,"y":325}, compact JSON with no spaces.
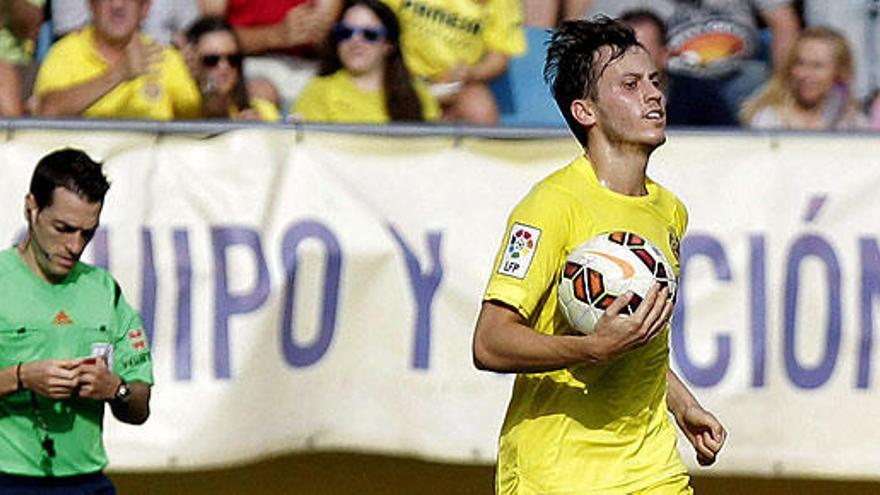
{"x":531,"y":253}
{"x":131,"y":351}
{"x":504,"y":28}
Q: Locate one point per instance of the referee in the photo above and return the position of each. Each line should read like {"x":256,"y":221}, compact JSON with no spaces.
{"x":69,"y":341}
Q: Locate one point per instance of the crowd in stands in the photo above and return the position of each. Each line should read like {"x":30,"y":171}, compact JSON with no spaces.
{"x":763,"y":64}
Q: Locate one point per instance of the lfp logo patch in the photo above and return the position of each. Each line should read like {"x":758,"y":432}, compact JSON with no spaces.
{"x":519,"y":251}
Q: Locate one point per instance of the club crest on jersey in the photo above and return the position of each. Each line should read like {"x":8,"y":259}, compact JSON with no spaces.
{"x":520,"y":250}
{"x":675,"y":245}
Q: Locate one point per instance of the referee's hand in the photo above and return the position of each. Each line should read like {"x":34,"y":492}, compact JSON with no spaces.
{"x":96,"y":382}
{"x":52,"y":378}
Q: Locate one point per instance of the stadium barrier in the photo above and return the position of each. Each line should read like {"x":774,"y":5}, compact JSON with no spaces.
{"x":313,"y":288}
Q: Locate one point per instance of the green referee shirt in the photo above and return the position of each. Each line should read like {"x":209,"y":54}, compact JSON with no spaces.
{"x":83,"y":316}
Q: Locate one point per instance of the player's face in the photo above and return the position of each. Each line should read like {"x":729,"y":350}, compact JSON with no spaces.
{"x":630,"y":107}
{"x":60,"y":232}
{"x":363,"y":45}
{"x":117,"y":20}
{"x":813,"y":72}
{"x":219,"y":61}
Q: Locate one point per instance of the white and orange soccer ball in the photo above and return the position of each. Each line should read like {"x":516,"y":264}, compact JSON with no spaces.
{"x":605,"y":267}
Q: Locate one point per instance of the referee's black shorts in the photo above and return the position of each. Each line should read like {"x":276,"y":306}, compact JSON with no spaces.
{"x":83,"y":484}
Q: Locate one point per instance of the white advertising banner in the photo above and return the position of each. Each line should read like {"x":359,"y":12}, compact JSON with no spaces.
{"x":318,"y":292}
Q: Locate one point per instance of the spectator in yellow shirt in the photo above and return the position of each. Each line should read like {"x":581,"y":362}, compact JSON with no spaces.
{"x":364,"y":79}
{"x":460,"y":46}
{"x":215,"y":58}
{"x":110,"y":69}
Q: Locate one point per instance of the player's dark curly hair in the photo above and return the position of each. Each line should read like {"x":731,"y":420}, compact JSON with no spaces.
{"x":401,"y":100}
{"x":571,"y":68}
{"x":71,"y":169}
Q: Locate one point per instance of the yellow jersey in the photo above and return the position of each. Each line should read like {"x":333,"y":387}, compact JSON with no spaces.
{"x":588,"y":429}
{"x":168,"y":92}
{"x":437,"y":35}
{"x":337,"y":99}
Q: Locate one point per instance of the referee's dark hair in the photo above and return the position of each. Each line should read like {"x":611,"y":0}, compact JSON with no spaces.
{"x":572,"y":67}
{"x":71,"y":169}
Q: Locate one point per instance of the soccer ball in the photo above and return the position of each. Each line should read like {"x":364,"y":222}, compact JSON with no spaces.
{"x":605,"y":267}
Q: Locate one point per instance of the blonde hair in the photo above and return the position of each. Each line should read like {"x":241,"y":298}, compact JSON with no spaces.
{"x":777,"y":92}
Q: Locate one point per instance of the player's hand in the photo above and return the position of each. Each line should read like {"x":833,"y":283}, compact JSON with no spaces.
{"x":619,"y":333}
{"x":52,"y":378}
{"x":703,"y":431}
{"x":95,"y":380}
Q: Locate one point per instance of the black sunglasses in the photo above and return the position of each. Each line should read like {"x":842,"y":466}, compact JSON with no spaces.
{"x":234,"y":60}
{"x":342,"y":32}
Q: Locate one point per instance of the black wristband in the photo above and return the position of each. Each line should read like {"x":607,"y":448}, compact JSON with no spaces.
{"x":18,"y":377}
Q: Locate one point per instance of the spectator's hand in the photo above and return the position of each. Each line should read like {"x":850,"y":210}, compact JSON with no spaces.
{"x":52,"y":378}
{"x":248,"y":114}
{"x":323,"y":21}
{"x":703,"y":431}
{"x":459,"y":73}
{"x":140,"y":58}
{"x":95,"y":379}
{"x":304,"y":25}
{"x":618,"y":334}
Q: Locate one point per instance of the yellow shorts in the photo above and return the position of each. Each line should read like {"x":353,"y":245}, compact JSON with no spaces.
{"x":677,"y":485}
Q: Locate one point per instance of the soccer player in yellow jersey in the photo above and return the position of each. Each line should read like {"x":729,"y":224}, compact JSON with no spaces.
{"x":589,"y":413}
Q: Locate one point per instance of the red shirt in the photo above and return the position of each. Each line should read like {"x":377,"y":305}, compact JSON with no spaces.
{"x":259,"y":12}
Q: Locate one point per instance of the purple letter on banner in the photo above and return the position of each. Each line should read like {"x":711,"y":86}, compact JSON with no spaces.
{"x":424,"y":286}
{"x":870,"y":288}
{"x":295,"y":353}
{"x":693,"y":246}
{"x":100,"y":249}
{"x":227,"y":304}
{"x":812,"y":246}
{"x":758,"y":305}
{"x":148,"y":284}
{"x":183,"y":341}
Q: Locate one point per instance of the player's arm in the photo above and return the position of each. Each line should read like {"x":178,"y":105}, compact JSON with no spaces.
{"x":702,"y":428}
{"x":503,"y":341}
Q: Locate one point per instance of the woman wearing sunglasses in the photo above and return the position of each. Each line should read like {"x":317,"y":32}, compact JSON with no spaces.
{"x":215,"y":59}
{"x":363,"y":78}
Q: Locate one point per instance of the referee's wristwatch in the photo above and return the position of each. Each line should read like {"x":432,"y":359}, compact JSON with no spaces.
{"x":123,"y":392}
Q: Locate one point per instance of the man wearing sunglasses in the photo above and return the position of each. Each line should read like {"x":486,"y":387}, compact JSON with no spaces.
{"x":110,"y":69}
